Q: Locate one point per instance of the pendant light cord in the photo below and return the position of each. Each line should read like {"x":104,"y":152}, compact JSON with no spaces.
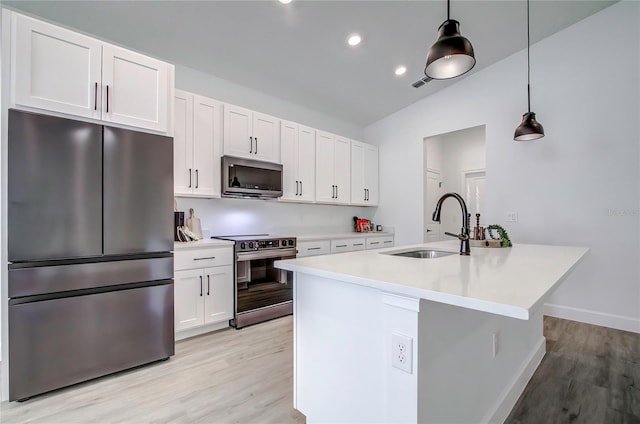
{"x":448,"y":9}
{"x":528,"y":62}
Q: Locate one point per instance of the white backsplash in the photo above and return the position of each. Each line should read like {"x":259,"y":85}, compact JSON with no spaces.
{"x":246,"y":216}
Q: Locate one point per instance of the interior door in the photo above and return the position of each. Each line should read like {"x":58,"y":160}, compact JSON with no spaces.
{"x":433,"y":231}
{"x":55,"y":188}
{"x":138,"y":192}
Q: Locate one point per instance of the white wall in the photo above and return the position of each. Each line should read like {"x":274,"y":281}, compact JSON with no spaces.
{"x":248,"y":216}
{"x":211,"y":86}
{"x":577,"y":186}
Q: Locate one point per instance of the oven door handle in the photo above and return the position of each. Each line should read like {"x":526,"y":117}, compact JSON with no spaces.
{"x":266,"y":254}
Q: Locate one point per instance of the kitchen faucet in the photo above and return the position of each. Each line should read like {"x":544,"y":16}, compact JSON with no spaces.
{"x":464,"y":233}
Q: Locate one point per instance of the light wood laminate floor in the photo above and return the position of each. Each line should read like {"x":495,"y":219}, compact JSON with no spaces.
{"x":231,"y":376}
{"x":589,"y":375}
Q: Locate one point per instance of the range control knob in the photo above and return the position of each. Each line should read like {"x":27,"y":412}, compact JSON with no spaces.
{"x":250,"y":245}
{"x":243,"y":245}
{"x":290,"y":242}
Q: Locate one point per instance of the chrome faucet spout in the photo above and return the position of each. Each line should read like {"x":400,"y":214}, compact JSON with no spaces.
{"x":464,"y":232}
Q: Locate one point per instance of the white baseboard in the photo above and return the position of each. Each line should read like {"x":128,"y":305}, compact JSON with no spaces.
{"x":185,"y":334}
{"x":509,"y":397}
{"x":593,"y":317}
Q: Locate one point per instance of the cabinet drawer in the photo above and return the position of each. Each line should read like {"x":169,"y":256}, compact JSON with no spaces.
{"x":347,"y":245}
{"x":313,"y":248}
{"x":201,"y":258}
{"x":379,"y":242}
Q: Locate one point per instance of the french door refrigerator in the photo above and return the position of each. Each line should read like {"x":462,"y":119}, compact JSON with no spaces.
{"x":90,"y":217}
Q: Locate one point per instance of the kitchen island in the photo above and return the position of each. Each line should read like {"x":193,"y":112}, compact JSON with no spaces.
{"x":385,"y":338}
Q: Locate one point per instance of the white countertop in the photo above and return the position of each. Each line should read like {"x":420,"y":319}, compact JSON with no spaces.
{"x":340,"y":235}
{"x":504,"y":281}
{"x":201,"y":243}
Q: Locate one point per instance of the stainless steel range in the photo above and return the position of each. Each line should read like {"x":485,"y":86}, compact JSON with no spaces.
{"x":262,"y":291}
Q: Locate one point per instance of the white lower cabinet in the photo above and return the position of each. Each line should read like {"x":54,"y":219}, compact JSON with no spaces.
{"x":203,"y":296}
{"x":347,"y":245}
{"x":313,"y":248}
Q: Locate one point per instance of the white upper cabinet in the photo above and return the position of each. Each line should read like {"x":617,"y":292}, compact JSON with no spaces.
{"x":364,"y":174}
{"x":135,"y":89}
{"x":54,"y":69}
{"x":298,"y":152}
{"x":333,"y":168}
{"x":250,"y":134}
{"x":196,"y":145}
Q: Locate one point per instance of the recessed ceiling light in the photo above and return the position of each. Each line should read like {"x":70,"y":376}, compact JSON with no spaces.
{"x":354,"y":40}
{"x":285,"y":1}
{"x":401,"y":70}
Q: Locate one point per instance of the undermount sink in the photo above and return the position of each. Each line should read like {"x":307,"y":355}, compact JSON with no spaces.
{"x":422,"y":253}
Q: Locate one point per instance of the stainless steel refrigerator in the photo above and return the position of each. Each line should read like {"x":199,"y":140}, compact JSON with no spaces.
{"x":90,"y":235}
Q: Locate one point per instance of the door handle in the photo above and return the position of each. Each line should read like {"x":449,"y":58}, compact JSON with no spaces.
{"x":201,"y":285}
{"x":296,"y":187}
{"x":95,"y":101}
{"x":197,"y":178}
{"x":256,"y":138}
{"x":107,"y":99}
{"x":208,"y":284}
{"x":189,"y":177}
{"x":250,"y":144}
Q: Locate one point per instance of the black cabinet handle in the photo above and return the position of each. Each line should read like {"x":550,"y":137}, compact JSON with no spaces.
{"x":204,"y":259}
{"x":197,"y":178}
{"x":365,"y":194}
{"x":189,"y":177}
{"x":333,"y":191}
{"x":341,"y":245}
{"x":208,"y":285}
{"x":336,"y":192}
{"x":313,"y":248}
{"x":95,"y":101}
{"x":201,"y":285}
{"x":296,"y":187}
{"x":107,"y":98}
{"x":300,"y":188}
{"x":256,"y":138}
{"x":250,"y":144}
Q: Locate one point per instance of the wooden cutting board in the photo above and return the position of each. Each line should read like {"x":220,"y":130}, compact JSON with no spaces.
{"x":485,"y":243}
{"x":193,"y":223}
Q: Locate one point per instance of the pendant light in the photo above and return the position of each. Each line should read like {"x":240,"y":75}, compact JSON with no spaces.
{"x":529,"y":129}
{"x":452,"y":54}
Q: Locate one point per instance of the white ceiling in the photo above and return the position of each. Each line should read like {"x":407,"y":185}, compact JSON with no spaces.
{"x":298,"y":52}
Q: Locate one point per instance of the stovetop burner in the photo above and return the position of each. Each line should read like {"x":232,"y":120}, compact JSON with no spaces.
{"x":253,"y":242}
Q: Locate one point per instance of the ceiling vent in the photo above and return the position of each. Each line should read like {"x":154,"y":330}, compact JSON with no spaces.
{"x":421,"y":82}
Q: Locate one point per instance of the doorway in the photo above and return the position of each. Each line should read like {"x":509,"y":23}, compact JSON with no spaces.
{"x":453,"y":162}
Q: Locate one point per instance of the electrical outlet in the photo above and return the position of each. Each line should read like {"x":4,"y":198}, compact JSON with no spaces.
{"x":494,"y":344}
{"x":402,"y":352}
{"x":512,"y":216}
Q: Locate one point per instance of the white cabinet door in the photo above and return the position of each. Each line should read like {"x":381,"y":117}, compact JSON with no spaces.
{"x":266,"y":137}
{"x":188,"y":298}
{"x":307,"y":163}
{"x":358,"y":189}
{"x":325,"y":187}
{"x":342,"y":169}
{"x":371,"y":174}
{"x":238,"y":138}
{"x":55,"y":69}
{"x":289,"y":156}
{"x":183,"y":143}
{"x":206,"y":146}
{"x":218,"y":294}
{"x":136,"y":89}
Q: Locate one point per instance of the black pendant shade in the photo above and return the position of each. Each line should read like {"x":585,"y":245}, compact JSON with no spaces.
{"x":529,"y":129}
{"x":451,"y":55}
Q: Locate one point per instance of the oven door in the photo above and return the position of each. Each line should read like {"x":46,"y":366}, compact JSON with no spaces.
{"x":263,"y":292}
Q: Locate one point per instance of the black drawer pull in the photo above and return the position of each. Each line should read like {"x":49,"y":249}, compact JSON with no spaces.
{"x":202,"y":259}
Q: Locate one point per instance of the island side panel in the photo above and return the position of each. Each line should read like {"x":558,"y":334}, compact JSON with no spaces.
{"x":456,"y":353}
{"x":340,"y":352}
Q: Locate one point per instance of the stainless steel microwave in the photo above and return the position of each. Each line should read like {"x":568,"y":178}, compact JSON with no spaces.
{"x":247,"y":178}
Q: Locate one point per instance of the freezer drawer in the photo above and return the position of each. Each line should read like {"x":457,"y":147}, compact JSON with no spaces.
{"x":59,"y":342}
